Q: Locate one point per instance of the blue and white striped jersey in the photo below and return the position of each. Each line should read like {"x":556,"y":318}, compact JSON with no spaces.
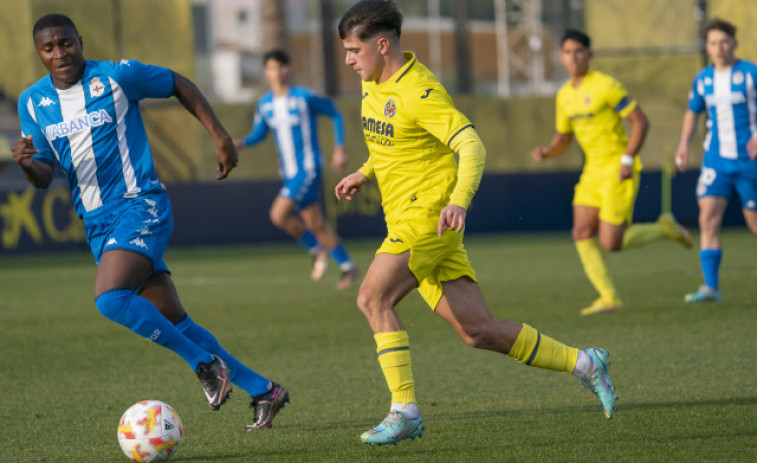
{"x":730,"y":98}
{"x":293,"y":120}
{"x":94,"y":130}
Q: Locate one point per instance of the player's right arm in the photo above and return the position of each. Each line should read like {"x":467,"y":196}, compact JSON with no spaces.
{"x":39,"y":174}
{"x":695,"y":106}
{"x":557,"y":146}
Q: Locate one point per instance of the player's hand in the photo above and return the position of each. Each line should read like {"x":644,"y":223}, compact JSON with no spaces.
{"x":238,"y":144}
{"x":539,"y":154}
{"x":227,"y":158}
{"x":452,"y":218}
{"x":23,"y":151}
{"x":350,"y":185}
{"x":682,"y":158}
{"x":626,"y":172}
{"x":338,"y":159}
{"x":751,"y":148}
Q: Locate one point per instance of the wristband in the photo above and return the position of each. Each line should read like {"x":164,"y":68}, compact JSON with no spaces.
{"x":626,"y":160}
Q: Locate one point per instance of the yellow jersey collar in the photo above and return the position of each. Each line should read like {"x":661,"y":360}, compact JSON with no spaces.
{"x":411,"y":60}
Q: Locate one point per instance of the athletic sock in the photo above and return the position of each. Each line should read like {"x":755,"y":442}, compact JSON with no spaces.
{"x":393,"y":349}
{"x":710,"y":262}
{"x":140,"y":315}
{"x":583,"y":364}
{"x":239,"y":374}
{"x":309,"y":242}
{"x":537,"y":350}
{"x":642,"y":233}
{"x":340,"y":256}
{"x":595,"y":268}
{"x":409,"y":410}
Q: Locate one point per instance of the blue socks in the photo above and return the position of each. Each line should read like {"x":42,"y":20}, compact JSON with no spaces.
{"x":240,"y":375}
{"x":340,"y":256}
{"x":309,"y":242}
{"x":140,"y":315}
{"x":710,"y":261}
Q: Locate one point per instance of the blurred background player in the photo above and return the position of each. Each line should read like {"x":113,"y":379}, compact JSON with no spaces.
{"x":591,"y":105}
{"x":84,"y":116}
{"x":412,"y":131}
{"x":292,"y":112}
{"x":727,"y":90}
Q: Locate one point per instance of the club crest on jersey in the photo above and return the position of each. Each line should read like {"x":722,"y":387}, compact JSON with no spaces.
{"x":738,"y":77}
{"x":390,"y":109}
{"x":96,"y":88}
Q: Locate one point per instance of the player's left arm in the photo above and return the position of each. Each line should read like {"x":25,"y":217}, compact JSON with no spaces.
{"x":639,"y":129}
{"x":617,"y":97}
{"x":472,"y":153}
{"x":194,"y":102}
{"x":323,"y":105}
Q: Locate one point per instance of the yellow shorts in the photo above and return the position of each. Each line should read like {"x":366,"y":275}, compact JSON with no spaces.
{"x":602,"y":189}
{"x":433,"y":260}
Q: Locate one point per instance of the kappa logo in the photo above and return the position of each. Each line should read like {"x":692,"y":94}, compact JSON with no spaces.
{"x":145,"y":231}
{"x":139,"y":242}
{"x":153,"y":211}
{"x":111,"y":242}
{"x":126,"y":62}
{"x":750,"y":204}
{"x":46,"y":101}
{"x":150,"y":202}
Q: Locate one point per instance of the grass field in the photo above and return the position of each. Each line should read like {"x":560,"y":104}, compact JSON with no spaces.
{"x":685,"y":374}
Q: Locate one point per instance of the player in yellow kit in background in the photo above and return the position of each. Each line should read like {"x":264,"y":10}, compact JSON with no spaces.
{"x":412,"y":129}
{"x":591,"y":105}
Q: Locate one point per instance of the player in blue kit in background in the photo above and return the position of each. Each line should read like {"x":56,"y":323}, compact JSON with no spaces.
{"x":291,"y":112}
{"x":727,"y":90}
{"x":84,"y":116}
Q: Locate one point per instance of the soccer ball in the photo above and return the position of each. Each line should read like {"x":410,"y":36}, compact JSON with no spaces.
{"x":150,"y":431}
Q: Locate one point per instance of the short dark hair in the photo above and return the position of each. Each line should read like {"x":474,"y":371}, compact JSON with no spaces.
{"x":717,"y":24}
{"x":277,"y":55}
{"x":53,"y":20}
{"x":367,"y":18}
{"x":578,"y":36}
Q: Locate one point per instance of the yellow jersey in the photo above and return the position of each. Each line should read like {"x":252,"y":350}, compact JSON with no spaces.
{"x":594,"y":112}
{"x":409,"y":122}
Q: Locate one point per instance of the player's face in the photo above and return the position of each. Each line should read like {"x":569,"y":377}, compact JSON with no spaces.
{"x":365,"y":58}
{"x":60,"y":50}
{"x":720,"y":47}
{"x":575,"y":58}
{"x":277,"y":74}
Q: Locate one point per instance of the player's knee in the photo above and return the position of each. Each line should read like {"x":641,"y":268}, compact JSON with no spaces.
{"x":112,"y":303}
{"x":581,"y":233}
{"x":611,"y":245}
{"x":277,"y":218}
{"x":477,"y":337}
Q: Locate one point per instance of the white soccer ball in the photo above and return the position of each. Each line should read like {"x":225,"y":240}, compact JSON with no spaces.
{"x":150,"y":431}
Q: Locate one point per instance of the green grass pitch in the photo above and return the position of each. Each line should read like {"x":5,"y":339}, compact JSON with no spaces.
{"x":685,"y":374}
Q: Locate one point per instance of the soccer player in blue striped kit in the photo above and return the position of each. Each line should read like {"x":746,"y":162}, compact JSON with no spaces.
{"x":727,"y":91}
{"x":291,"y":113}
{"x":84,"y":117}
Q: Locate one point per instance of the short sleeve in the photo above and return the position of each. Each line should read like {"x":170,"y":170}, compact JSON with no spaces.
{"x":696,"y":96}
{"x":433,"y":110}
{"x":618,"y":99}
{"x":139,"y":80}
{"x":29,"y":126}
{"x":562,"y":120}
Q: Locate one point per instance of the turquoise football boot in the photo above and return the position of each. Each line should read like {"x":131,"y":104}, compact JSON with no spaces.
{"x":704,"y":294}
{"x":395,"y":427}
{"x":597,"y":380}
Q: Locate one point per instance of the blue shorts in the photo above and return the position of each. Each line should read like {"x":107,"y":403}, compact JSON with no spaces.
{"x":142,"y":225}
{"x":734,"y":175}
{"x":304,"y":189}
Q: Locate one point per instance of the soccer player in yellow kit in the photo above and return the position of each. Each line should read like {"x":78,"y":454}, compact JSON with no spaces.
{"x":591,"y":105}
{"x":412,"y":130}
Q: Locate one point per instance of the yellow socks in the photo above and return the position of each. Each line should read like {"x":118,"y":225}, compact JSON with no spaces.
{"x":393,"y":349}
{"x":595,"y":268}
{"x":640,"y":234}
{"x":537,"y":350}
